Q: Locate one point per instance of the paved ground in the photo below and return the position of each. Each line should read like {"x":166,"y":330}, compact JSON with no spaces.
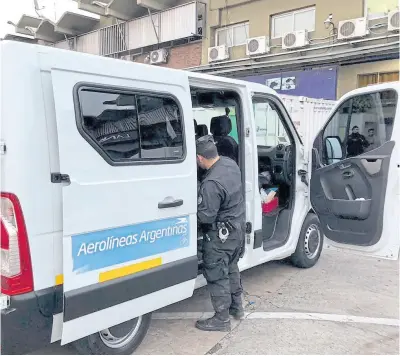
{"x":344,"y":305}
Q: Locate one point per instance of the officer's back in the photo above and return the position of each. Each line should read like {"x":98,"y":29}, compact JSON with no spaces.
{"x":221,"y":214}
{"x":226,"y":174}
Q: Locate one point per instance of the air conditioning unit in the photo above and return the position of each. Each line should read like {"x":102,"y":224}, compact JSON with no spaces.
{"x":257,"y":45}
{"x":296,"y":39}
{"x":218,"y":53}
{"x":393,"y":20}
{"x":353,"y":28}
{"x":159,"y":56}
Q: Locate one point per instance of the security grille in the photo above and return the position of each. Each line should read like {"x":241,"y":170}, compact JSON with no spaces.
{"x":214,"y":54}
{"x":253,"y":45}
{"x":394,"y":21}
{"x":347,"y":29}
{"x":290,"y":40}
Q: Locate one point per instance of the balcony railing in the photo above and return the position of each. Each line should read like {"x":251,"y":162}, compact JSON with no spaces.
{"x":180,"y":22}
{"x":113,"y":39}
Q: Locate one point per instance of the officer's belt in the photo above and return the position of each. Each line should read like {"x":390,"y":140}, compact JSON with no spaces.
{"x":215,"y":226}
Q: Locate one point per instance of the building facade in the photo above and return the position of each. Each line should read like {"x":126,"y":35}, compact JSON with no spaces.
{"x":159,"y":32}
{"x":327,"y":60}
{"x":315,"y":48}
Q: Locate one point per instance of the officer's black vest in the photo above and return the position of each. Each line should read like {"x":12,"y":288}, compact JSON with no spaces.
{"x":226,"y":173}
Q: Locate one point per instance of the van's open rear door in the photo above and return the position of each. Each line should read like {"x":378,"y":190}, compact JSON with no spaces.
{"x":129,"y":229}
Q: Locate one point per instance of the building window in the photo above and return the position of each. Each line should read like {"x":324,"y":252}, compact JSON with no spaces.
{"x":129,"y":127}
{"x":375,"y":78}
{"x":303,"y":19}
{"x":233,"y":35}
{"x":378,"y":8}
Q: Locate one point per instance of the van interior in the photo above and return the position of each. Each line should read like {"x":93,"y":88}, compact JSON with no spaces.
{"x":276,"y":167}
{"x":219,"y":113}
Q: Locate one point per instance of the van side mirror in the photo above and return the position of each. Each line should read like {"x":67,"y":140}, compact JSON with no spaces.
{"x":333,"y":149}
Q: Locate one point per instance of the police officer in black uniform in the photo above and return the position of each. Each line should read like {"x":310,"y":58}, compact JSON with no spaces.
{"x":221,"y":215}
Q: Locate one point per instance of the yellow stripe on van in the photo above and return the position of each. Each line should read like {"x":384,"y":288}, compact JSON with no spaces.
{"x":59,"y":279}
{"x":131,"y":269}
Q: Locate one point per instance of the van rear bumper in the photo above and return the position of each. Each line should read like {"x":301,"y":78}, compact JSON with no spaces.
{"x":27,"y":323}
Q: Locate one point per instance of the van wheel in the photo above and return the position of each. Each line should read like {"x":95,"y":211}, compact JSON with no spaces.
{"x":310,"y":244}
{"x":122,"y":339}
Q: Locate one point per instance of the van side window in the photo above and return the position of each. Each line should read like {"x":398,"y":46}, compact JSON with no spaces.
{"x":269,"y":128}
{"x":132,"y":127}
{"x":361,"y":124}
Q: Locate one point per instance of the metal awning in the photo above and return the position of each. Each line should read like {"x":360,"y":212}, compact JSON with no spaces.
{"x":125,"y":9}
{"x":120,"y":9}
{"x":158,"y":4}
{"x":19,"y":38}
{"x":27,"y":25}
{"x":95,"y":8}
{"x":73,"y":24}
{"x":46,"y":32}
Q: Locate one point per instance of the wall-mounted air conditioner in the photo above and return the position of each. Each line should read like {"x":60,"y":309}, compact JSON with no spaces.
{"x":354,"y":28}
{"x":218,"y":53}
{"x":159,"y":56}
{"x":393,"y":20}
{"x":257,"y":45}
{"x":296,"y":39}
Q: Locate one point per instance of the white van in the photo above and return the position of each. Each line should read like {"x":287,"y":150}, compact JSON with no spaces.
{"x":99,"y":190}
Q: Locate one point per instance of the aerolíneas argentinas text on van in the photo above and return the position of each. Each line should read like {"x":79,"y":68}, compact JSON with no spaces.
{"x":116,"y":242}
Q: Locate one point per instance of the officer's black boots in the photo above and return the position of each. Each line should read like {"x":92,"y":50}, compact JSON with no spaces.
{"x":237,"y":313}
{"x":219,"y":322}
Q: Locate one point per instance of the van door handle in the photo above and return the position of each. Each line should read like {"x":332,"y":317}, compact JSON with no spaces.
{"x":170,"y":202}
{"x":348,"y":174}
{"x":344,"y":166}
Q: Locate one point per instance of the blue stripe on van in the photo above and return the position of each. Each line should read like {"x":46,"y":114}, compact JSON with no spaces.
{"x":110,"y":247}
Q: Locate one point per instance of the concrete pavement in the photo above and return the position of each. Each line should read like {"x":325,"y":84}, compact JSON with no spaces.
{"x":346,"y":304}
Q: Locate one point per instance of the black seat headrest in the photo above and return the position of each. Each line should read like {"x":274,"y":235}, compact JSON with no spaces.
{"x":221,"y":125}
{"x":202,"y":130}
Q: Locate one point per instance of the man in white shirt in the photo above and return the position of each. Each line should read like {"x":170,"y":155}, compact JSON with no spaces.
{"x":372,"y":140}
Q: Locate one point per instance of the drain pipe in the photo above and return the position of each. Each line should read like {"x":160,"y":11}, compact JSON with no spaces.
{"x":154,"y":26}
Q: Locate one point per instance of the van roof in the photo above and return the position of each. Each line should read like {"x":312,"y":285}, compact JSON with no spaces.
{"x":73,"y":57}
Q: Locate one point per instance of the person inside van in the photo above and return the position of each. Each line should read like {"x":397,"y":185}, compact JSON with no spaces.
{"x":356,"y":143}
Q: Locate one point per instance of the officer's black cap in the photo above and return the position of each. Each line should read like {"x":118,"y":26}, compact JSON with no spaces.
{"x":206,"y":148}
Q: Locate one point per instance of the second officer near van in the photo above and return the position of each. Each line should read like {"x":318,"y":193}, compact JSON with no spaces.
{"x":221,"y":214}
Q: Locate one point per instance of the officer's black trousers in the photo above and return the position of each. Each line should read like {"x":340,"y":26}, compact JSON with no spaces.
{"x":220,"y":269}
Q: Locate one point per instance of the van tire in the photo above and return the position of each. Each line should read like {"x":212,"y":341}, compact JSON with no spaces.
{"x":96,"y":344}
{"x":310,"y":244}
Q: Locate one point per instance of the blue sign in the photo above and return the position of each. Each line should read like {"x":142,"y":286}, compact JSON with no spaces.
{"x":110,"y":247}
{"x":317,"y":83}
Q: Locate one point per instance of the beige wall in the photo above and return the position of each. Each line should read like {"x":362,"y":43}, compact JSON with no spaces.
{"x":348,"y":75}
{"x":259,"y":12}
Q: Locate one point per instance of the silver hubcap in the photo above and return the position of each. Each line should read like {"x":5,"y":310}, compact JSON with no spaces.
{"x":121,"y":335}
{"x":312,"y":241}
